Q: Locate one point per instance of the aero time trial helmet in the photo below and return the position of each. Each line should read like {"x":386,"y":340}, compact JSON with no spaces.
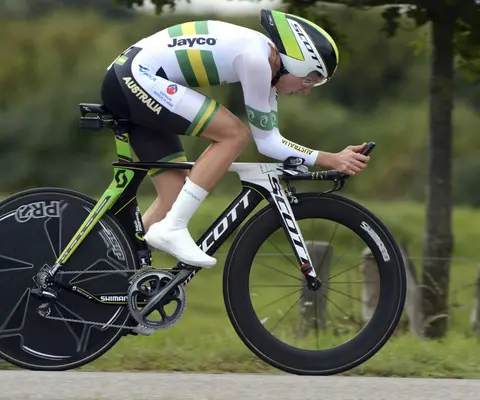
{"x":304,"y":47}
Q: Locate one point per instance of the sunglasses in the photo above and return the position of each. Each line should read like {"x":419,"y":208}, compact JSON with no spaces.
{"x":313,"y":83}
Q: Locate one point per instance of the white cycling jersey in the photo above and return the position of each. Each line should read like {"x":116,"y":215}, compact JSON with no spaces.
{"x":209,"y":53}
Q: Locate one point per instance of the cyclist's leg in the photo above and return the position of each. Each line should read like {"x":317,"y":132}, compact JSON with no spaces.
{"x":164,"y":106}
{"x":208,"y":169}
{"x":167,"y":186}
{"x":151,"y":145}
{"x":229,"y":136}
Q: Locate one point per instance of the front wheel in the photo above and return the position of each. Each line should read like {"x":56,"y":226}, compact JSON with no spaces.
{"x":327,"y":331}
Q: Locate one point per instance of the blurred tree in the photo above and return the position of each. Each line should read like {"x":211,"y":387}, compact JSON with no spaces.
{"x":35,"y":8}
{"x":455,"y":31}
{"x":159,"y":4}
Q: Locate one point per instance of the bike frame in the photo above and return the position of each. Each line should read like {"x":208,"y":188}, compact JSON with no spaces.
{"x":260,"y":181}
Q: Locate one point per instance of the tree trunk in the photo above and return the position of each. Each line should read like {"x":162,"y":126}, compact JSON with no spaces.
{"x":475,"y":315}
{"x":438,"y":242}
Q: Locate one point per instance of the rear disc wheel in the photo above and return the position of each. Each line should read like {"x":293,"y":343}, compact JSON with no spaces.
{"x":35,"y":227}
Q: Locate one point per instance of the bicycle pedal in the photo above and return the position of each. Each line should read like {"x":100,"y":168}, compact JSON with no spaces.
{"x":143,"y":330}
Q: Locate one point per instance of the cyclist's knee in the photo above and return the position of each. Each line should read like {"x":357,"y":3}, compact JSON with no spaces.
{"x":226,"y":127}
{"x":241,"y":135}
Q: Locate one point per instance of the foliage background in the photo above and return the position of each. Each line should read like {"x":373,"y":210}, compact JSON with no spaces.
{"x":54,"y":54}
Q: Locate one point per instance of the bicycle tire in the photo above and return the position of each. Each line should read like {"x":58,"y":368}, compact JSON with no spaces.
{"x":37,"y":343}
{"x":282,"y":356}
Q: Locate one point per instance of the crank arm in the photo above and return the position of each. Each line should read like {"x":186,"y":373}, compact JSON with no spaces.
{"x":179,"y":278}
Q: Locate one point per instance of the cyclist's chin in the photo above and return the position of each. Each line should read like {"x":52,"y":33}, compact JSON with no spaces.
{"x":286,"y":91}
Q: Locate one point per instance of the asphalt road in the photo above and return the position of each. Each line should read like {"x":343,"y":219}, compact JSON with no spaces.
{"x":23,"y":385}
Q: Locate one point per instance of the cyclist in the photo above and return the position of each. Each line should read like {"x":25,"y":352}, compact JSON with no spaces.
{"x":150,"y":85}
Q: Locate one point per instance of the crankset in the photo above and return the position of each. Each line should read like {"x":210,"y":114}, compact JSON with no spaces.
{"x":156,"y":300}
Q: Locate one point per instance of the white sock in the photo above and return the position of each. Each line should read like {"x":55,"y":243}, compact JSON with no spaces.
{"x":186,"y":204}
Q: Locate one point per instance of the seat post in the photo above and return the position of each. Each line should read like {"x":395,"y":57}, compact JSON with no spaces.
{"x":122,"y":142}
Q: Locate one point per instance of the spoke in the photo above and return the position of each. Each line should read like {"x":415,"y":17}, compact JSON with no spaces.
{"x":275,"y":286}
{"x":346,"y":270}
{"x":55,"y":254}
{"x":77,"y":336}
{"x":22,"y":264}
{"x":60,"y":223}
{"x":341,"y":255}
{"x":345,"y":294}
{"x":284,"y":255}
{"x":279,"y":271}
{"x":301,"y":327}
{"x":290,"y":309}
{"x":281,"y":298}
{"x":329,"y":244}
{"x":17,"y":308}
{"x":351,"y":282}
{"x":336,"y":331}
{"x":316,"y":318}
{"x":338,"y":308}
{"x":53,"y":230}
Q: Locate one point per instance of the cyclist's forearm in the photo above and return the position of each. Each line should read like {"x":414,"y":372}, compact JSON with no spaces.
{"x":325,"y":160}
{"x":275,"y":146}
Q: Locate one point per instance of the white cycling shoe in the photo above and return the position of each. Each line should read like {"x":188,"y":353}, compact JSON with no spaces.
{"x":178,"y":243}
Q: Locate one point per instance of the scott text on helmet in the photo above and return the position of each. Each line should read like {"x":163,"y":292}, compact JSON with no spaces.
{"x":309,"y":47}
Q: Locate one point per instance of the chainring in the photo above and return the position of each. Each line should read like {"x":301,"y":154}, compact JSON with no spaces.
{"x":168,"y":309}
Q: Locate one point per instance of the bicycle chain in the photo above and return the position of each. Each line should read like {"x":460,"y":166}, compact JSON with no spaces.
{"x":93,"y":322}
{"x":101,"y":271}
{"x":90,"y":322}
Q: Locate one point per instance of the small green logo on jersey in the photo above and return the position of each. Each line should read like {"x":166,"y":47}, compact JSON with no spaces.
{"x":121,"y":60}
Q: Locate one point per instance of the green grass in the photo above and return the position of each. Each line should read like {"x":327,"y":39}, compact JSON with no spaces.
{"x":203,"y":340}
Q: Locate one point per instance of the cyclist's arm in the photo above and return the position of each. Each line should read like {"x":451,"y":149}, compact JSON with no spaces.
{"x":255,"y":76}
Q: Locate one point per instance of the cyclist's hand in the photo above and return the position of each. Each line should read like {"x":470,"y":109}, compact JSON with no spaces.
{"x":350,"y":161}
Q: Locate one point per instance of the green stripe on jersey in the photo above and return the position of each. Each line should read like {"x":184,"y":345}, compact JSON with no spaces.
{"x":175,"y":31}
{"x":189,"y":28}
{"x":275,"y":119}
{"x":202,"y":119}
{"x":261,"y":120}
{"x":186,"y":68}
{"x":201,"y":27}
{"x":210,"y":67}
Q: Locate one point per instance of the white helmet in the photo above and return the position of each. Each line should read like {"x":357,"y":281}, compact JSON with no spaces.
{"x":304,"y":47}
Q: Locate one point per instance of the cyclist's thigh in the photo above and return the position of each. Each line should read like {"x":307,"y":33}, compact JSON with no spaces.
{"x":169,"y":108}
{"x":150,"y":145}
{"x":185,"y":111}
{"x":149,"y":139}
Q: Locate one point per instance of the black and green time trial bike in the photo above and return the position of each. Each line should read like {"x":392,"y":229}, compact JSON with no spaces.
{"x":76,"y":274}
